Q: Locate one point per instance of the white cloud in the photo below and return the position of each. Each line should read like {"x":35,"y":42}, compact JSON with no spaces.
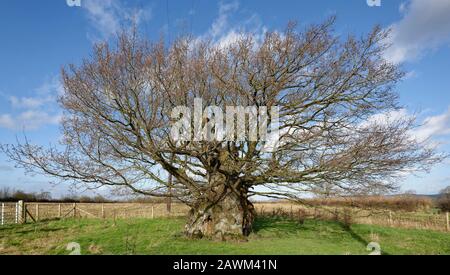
{"x":51,"y":87}
{"x":228,"y":38}
{"x":6,"y":121}
{"x":434,"y":126}
{"x":425,"y":26}
{"x":411,"y":75}
{"x":33,"y":112}
{"x":29,"y":120}
{"x":388,"y":117}
{"x":46,"y":94}
{"x":223,"y":32}
{"x":221,"y":23}
{"x":108,"y":17}
{"x":431,"y":127}
{"x":29,"y":102}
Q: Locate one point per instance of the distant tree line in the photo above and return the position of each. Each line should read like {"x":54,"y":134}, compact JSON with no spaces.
{"x":406,"y":202}
{"x":12,"y":195}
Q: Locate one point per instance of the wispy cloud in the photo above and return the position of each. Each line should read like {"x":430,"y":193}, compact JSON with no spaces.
{"x":33,"y":112}
{"x":223,"y":31}
{"x":45,"y":94}
{"x":435,"y":126}
{"x":221,"y":23}
{"x":425,"y":26}
{"x":29,"y":120}
{"x":108,"y":17}
{"x":431,"y":127}
{"x":6,"y":121}
{"x":29,"y":102}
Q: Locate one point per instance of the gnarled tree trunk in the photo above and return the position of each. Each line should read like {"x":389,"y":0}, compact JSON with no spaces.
{"x":224,"y":213}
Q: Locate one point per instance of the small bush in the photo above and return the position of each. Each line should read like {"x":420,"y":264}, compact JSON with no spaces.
{"x":444,"y":200}
{"x":444,"y":203}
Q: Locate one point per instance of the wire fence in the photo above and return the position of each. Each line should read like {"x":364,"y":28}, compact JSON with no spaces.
{"x":9,"y":213}
{"x":400,"y":219}
{"x":26,"y":212}
{"x":20,"y":212}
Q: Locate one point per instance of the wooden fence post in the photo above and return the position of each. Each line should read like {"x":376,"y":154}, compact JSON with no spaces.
{"x":37,"y":211}
{"x":17,"y":213}
{"x":390,"y":217}
{"x":74,"y":210}
{"x":59,"y":211}
{"x":447,"y":221}
{"x":3,"y":213}
{"x":25,"y":213}
{"x":153,"y":212}
{"x":103,"y":210}
{"x":20,"y":212}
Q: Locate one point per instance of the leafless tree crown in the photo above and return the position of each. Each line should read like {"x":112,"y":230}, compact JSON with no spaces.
{"x":118,"y":106}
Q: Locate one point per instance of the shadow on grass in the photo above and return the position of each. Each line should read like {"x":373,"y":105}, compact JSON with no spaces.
{"x":352,"y":233}
{"x":357,"y":237}
{"x":276,"y":225}
{"x":40,"y":229}
{"x":41,"y":226}
{"x":286,"y":226}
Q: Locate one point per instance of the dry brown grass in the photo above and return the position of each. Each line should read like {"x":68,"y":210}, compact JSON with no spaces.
{"x":104,"y":210}
{"x":395,"y":203}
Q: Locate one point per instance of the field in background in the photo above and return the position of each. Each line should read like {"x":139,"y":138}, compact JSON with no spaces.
{"x":424,"y":217}
{"x":431,"y":219}
{"x":408,"y":203}
{"x":281,"y":228}
{"x":164,"y":236}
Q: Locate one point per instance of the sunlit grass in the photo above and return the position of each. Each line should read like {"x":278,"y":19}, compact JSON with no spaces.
{"x":164,"y":236}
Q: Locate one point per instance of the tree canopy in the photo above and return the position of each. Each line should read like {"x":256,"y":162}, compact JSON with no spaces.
{"x":329,"y":90}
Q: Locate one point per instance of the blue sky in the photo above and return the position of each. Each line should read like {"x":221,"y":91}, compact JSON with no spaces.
{"x":38,"y":37}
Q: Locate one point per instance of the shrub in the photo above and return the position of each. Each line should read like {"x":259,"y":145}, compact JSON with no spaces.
{"x":444,"y":203}
{"x":444,"y":199}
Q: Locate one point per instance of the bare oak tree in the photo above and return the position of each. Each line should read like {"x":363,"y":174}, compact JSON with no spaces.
{"x":329,"y":90}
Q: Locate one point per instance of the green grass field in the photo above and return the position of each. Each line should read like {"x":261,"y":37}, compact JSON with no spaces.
{"x":164,"y":236}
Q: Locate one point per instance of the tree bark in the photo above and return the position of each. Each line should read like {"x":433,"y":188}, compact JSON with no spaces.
{"x":225,"y":213}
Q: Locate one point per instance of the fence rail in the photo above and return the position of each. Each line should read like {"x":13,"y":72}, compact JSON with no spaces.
{"x":25,"y":212}
{"x":9,"y":213}
{"x":401,"y":219}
